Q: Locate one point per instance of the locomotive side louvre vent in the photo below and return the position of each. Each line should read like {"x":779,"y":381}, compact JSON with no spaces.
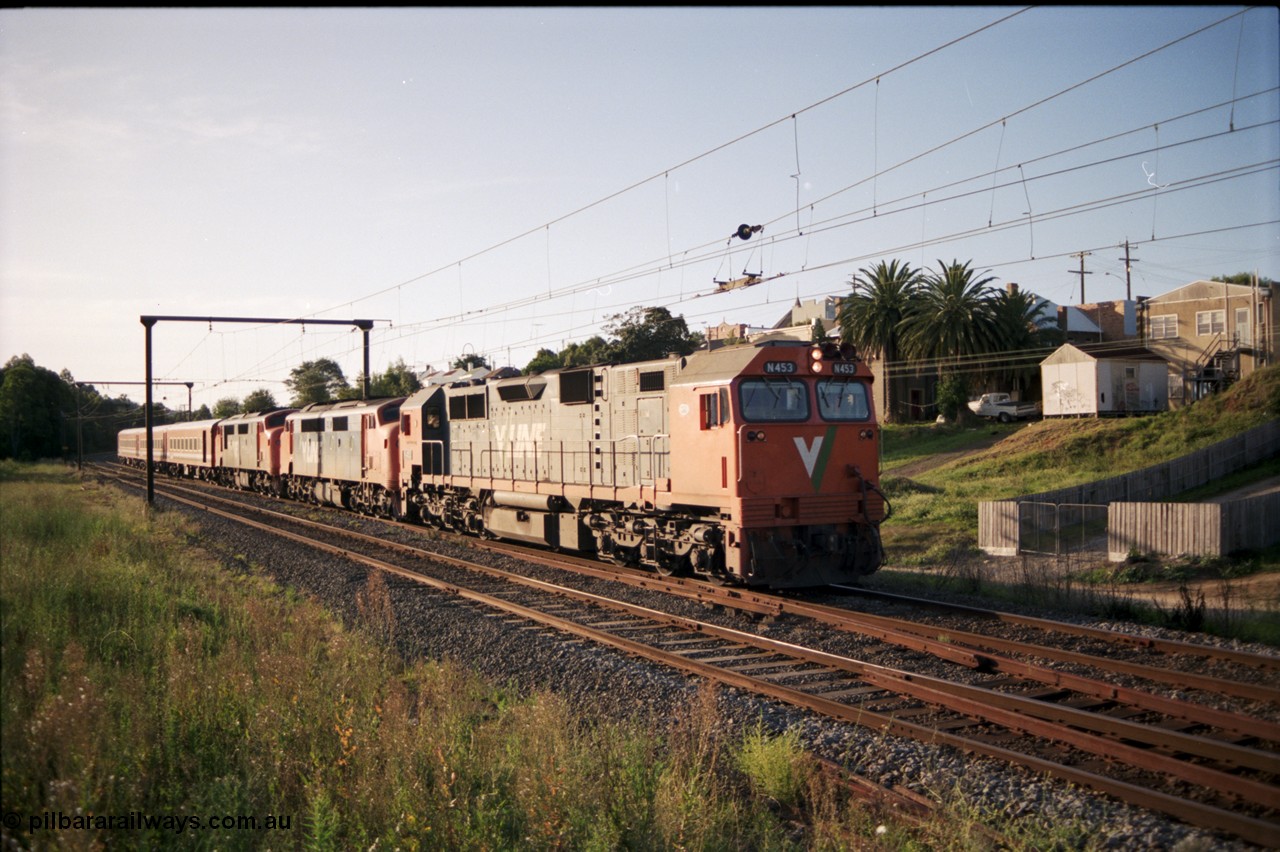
{"x":339,"y":424}
{"x":575,"y":387}
{"x":468,"y":406}
{"x":653,"y":380}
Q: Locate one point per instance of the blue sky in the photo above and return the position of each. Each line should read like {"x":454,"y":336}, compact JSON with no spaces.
{"x":496,"y":181}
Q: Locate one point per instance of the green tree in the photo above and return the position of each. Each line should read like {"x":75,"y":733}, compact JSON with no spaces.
{"x":226,"y":407}
{"x":543,"y":361}
{"x":644,"y":334}
{"x":593,"y":350}
{"x":1243,"y":278}
{"x":470,"y":362}
{"x":952,"y":318}
{"x":872,"y":316}
{"x":259,"y":401}
{"x":1024,"y":331}
{"x":398,"y":380}
{"x":818,"y":333}
{"x":33,"y":404}
{"x":315,"y":381}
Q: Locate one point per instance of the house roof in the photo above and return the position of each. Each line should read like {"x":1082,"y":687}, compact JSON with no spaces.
{"x":1200,"y":290}
{"x":1070,"y":353}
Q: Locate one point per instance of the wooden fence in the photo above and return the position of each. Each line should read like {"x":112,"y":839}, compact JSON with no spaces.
{"x":1209,"y":530}
{"x":1198,"y":529}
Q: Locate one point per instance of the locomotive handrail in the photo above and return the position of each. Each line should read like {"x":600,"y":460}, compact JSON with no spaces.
{"x":741,"y":430}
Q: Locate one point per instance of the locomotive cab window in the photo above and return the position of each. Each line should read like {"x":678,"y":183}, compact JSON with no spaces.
{"x":842,"y":400}
{"x":774,"y":400}
{"x":714,"y":408}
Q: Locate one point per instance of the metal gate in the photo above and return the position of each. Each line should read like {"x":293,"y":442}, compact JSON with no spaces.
{"x":1056,"y":529}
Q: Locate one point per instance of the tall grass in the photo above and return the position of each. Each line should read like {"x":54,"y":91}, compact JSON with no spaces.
{"x":138,"y":678}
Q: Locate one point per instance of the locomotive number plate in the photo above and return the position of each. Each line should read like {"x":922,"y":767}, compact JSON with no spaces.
{"x":844,"y":369}
{"x":779,"y":368}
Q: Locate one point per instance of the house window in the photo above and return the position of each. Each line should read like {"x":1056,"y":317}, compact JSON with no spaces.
{"x":1211,"y":322}
{"x":1164,"y":327}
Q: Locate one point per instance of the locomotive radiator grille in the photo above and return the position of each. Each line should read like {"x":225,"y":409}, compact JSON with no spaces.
{"x":758,"y":512}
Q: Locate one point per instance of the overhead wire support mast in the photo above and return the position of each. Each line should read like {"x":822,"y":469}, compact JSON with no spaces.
{"x":148,"y":321}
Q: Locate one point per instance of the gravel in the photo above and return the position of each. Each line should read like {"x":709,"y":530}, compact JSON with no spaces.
{"x":595,"y":679}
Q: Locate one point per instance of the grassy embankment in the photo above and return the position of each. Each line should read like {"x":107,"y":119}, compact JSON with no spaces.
{"x":935,"y":515}
{"x":141,"y":678}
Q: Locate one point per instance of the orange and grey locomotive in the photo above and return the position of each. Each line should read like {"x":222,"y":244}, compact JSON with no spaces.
{"x":756,"y":465}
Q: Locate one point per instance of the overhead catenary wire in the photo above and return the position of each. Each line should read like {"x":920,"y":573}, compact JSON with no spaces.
{"x":690,"y":257}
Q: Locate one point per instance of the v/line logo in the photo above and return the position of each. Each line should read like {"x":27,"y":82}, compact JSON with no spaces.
{"x":815,"y":455}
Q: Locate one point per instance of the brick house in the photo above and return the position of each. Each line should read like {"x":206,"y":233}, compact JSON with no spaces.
{"x":1211,"y":333}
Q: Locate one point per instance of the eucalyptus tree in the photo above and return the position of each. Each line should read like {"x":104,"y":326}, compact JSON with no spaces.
{"x":259,"y":400}
{"x":321,"y":380}
{"x":872,"y":316}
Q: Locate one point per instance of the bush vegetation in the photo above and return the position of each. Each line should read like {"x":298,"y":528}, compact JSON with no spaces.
{"x":140,"y":677}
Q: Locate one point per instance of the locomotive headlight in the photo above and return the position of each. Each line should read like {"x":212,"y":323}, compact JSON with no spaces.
{"x":815,"y":362}
{"x":755,"y":436}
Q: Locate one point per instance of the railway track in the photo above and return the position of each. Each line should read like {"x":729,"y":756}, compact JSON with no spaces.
{"x":1210,"y":762}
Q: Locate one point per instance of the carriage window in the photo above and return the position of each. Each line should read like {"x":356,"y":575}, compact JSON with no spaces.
{"x":842,"y":399}
{"x":765,"y":400}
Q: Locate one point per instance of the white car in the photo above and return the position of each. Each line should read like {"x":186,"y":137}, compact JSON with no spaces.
{"x":998,"y":406}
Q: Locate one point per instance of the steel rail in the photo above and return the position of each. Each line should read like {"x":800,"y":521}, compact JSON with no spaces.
{"x":917,"y":637}
{"x":1168,"y":646}
{"x":1249,"y":828}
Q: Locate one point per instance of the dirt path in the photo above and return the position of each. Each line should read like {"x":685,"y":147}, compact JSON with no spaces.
{"x":920,"y":466}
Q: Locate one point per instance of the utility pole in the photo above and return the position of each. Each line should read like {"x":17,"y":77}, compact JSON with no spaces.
{"x":1082,"y":255}
{"x":1128,"y":284}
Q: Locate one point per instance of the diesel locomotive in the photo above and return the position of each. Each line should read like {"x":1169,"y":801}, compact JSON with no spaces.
{"x":756,"y":465}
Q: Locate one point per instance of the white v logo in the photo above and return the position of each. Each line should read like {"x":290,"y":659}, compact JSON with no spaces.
{"x":809,"y":455}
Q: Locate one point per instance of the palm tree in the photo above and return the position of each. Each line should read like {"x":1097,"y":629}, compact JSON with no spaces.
{"x":953,"y":318}
{"x":1022,"y":329}
{"x":871,"y":316}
